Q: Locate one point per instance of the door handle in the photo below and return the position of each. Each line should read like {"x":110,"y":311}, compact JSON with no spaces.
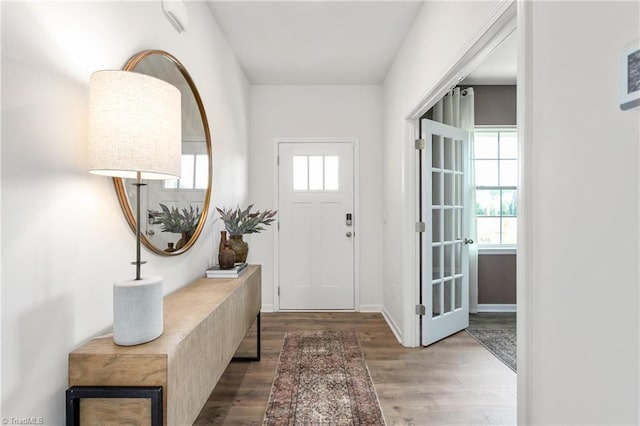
{"x":468,"y":241}
{"x":349,"y":234}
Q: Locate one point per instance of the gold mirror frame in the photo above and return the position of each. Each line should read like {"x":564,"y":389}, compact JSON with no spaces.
{"x":119,"y":184}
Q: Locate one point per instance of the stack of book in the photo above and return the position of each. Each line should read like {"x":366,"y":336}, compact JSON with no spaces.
{"x":237,"y":270}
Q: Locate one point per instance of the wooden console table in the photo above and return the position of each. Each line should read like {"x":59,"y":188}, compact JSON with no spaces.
{"x":204,"y":323}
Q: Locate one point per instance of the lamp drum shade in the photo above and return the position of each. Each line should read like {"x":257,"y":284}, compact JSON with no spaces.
{"x":134,"y":126}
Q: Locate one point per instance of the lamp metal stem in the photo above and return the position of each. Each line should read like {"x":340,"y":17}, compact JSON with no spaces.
{"x":138,"y":262}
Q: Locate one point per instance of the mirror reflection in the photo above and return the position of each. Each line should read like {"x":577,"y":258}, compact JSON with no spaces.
{"x":175,"y":209}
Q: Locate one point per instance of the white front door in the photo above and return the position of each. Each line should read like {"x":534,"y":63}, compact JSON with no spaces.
{"x":444,"y":250}
{"x":316,"y":222}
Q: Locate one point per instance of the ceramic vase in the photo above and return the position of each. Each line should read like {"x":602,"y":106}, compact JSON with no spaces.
{"x":226,"y":256}
{"x":240,"y":247}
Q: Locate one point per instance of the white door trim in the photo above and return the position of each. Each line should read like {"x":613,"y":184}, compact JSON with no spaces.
{"x":356,"y":210}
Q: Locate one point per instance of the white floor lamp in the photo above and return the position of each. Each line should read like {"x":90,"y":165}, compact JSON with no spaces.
{"x":135,"y":133}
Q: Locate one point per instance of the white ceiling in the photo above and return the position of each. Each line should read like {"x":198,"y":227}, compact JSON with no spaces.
{"x":332,"y":42}
{"x":500,"y":67}
{"x":315,"y":42}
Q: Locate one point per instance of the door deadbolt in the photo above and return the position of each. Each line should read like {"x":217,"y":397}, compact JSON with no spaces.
{"x":349,"y":220}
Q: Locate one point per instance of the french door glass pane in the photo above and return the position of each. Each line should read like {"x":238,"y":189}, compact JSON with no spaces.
{"x":436,"y":220}
{"x":458,"y":258}
{"x":458,"y":290}
{"x":436,"y":150}
{"x":508,"y":173}
{"x":458,"y":227}
{"x":448,"y":189}
{"x":436,"y":255}
{"x":486,"y":145}
{"x":448,"y":153}
{"x":448,"y":289}
{"x":448,"y":261}
{"x":458,"y":162}
{"x":487,"y":173}
{"x":435,"y":299}
{"x":448,"y":225}
{"x":509,"y":230}
{"x":436,"y":189}
{"x":488,"y":230}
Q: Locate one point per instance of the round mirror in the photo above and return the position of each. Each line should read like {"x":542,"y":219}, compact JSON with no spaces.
{"x":173,"y":211}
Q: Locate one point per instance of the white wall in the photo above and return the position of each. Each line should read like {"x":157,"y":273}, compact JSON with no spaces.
{"x":64,"y":237}
{"x":320,"y":111}
{"x":582,"y":256}
{"x":426,"y":55}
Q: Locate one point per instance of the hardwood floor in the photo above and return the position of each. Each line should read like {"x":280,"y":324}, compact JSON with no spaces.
{"x":454,"y":381}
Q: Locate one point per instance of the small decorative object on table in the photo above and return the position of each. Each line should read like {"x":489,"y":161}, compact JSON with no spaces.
{"x":239,"y":222}
{"x":226,"y":256}
{"x":234,"y":272}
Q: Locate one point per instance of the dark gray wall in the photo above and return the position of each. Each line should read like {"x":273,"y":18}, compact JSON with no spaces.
{"x":495,"y":105}
{"x":497,"y":279}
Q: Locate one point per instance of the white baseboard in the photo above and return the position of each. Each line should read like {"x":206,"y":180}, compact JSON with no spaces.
{"x":489,"y":307}
{"x":266,"y":308}
{"x":370,"y":308}
{"x":392,"y":325}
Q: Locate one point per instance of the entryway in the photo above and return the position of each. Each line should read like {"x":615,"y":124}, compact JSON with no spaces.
{"x":317,"y":229}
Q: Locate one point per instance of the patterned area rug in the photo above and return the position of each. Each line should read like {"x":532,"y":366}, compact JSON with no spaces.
{"x":322,"y":379}
{"x":499,"y":341}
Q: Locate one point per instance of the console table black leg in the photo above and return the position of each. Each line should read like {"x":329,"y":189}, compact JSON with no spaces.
{"x":259,"y":338}
{"x":75,"y":393}
{"x":258,"y":345}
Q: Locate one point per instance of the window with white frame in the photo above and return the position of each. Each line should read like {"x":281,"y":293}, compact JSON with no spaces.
{"x":315,"y":173}
{"x":194,"y":167}
{"x":496,"y":174}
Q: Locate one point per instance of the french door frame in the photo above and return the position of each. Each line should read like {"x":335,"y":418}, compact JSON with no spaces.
{"x":504,"y":19}
{"x":356,"y":214}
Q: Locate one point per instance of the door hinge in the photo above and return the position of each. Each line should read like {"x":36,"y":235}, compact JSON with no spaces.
{"x":278,"y":226}
{"x":421,"y":227}
{"x":278,"y":290}
{"x":421,"y":144}
{"x":421,"y":310}
{"x":278,"y":160}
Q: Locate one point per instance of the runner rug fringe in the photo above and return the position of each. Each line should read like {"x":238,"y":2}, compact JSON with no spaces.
{"x":322,"y":379}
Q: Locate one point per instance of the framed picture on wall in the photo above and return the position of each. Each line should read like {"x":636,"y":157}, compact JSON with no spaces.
{"x":630,"y":76}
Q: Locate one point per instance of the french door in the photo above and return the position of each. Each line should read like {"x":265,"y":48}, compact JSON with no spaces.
{"x":443,"y":246}
{"x":316,"y":221}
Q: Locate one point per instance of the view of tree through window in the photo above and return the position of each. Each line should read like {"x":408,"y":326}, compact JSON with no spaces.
{"x":496,"y":173}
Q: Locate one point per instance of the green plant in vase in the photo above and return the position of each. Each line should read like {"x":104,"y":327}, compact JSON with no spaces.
{"x":238,"y":222}
{"x":183,"y":222}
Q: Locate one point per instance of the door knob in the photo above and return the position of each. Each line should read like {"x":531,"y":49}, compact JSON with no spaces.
{"x":468,"y":241}
{"x":349,"y":234}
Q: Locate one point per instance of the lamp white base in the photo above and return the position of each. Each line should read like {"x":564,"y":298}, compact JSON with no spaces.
{"x":137,"y":311}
